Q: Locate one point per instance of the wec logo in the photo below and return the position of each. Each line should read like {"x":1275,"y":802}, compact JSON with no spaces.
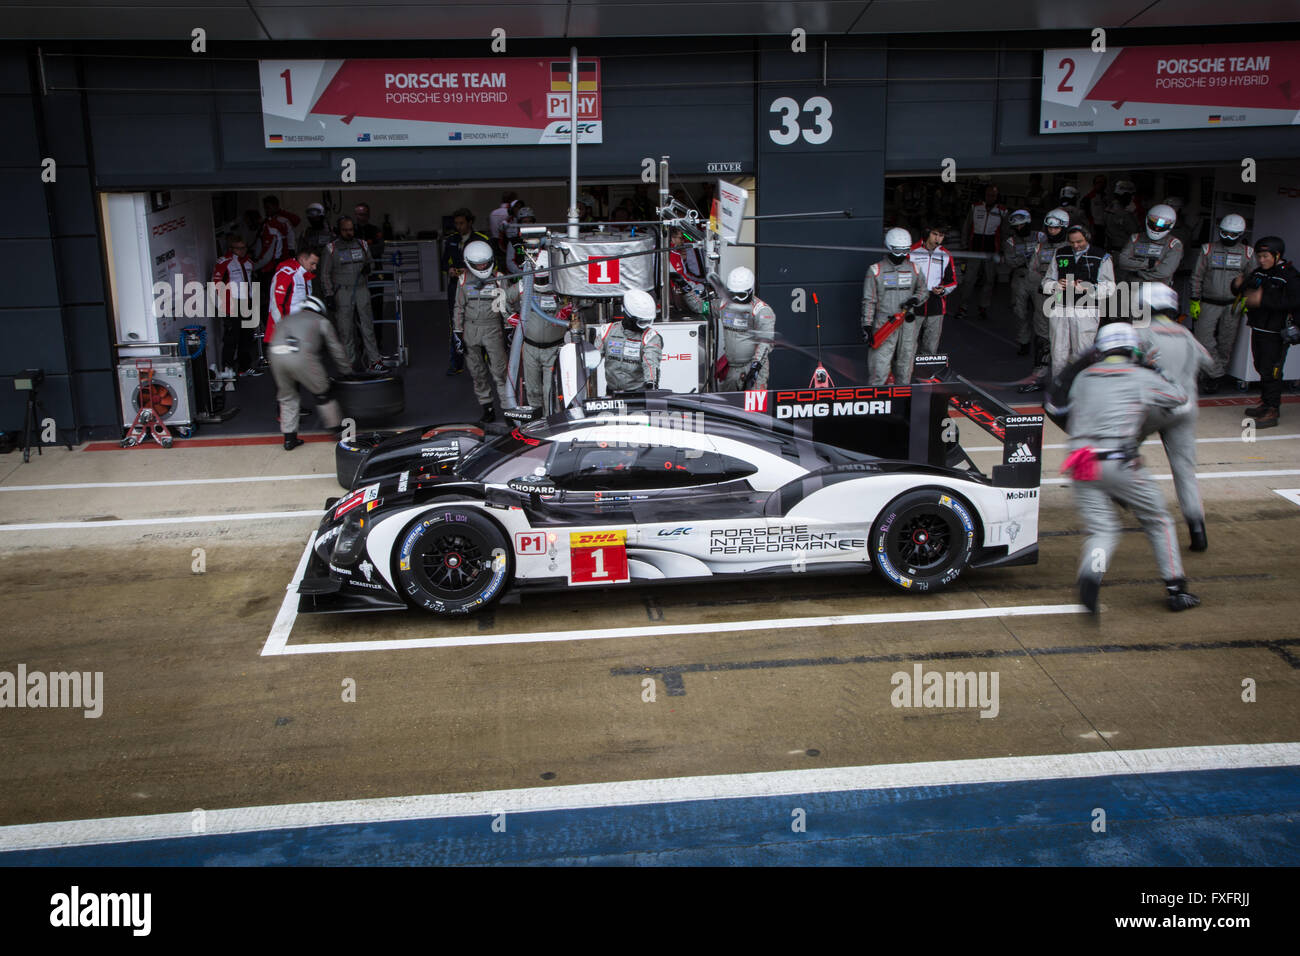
{"x":673,"y":532}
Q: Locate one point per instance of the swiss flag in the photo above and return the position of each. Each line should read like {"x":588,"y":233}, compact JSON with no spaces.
{"x":1130,"y":121}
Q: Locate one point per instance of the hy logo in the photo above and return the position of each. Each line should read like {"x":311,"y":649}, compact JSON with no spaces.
{"x":756,"y":401}
{"x":1022,"y":455}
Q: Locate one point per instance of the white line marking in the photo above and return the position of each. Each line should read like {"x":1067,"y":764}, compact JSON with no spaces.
{"x":626,"y":793}
{"x":668,"y":630}
{"x":1290,"y":494}
{"x":1202,"y":475}
{"x":1155,"y":442}
{"x":279,"y":636}
{"x":135,"y":522}
{"x":157,"y":484}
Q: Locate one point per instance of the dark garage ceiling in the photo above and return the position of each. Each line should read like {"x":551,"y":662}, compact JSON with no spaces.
{"x":235,"y":20}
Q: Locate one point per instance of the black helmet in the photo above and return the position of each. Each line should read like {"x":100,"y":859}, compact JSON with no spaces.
{"x":1271,"y":244}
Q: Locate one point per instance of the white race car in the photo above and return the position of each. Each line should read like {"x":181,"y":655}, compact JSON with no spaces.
{"x":661,"y":487}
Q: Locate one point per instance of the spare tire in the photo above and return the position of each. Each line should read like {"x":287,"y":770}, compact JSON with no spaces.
{"x":375,"y":400}
{"x":348,"y":455}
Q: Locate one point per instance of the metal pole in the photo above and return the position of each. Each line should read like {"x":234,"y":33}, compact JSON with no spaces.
{"x":664,"y":199}
{"x":573,"y":142}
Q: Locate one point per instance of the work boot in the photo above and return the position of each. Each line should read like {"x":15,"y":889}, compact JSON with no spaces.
{"x":489,"y":414}
{"x":1267,"y":418}
{"x":292,"y":441}
{"x":1023,"y":349}
{"x":1254,"y":411}
{"x":1178,"y":597}
{"x":1209,"y":385}
{"x":1090,"y":593}
{"x":1199,"y":540}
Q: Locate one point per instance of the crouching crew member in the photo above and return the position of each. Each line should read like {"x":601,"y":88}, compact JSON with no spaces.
{"x":1107,"y":406}
{"x":748,"y":331}
{"x":481,"y":307}
{"x":893,"y":285}
{"x":1181,"y":359}
{"x":295,"y":356}
{"x":632,"y":349}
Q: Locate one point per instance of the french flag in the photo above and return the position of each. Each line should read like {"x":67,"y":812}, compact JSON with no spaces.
{"x":1049,"y":124}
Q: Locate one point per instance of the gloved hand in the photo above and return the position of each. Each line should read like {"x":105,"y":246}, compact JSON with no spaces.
{"x":513,"y":320}
{"x":867,"y":335}
{"x":459,"y":339}
{"x":1194,"y":309}
{"x":565,"y":313}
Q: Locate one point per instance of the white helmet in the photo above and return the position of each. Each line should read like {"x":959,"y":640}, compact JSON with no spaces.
{"x":1156,"y":298}
{"x":640,"y":306}
{"x":312,"y":304}
{"x":1057,"y":218}
{"x":898,"y":241}
{"x":1068,"y":193}
{"x":1232,"y":227}
{"x":542,"y":278}
{"x":1115,"y":337}
{"x":1020,"y":217}
{"x":740,"y":283}
{"x":479,"y":259}
{"x":1124,"y":187}
{"x":1160,"y":220}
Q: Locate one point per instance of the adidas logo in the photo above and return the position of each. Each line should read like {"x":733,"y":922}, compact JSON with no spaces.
{"x":1022,"y":455}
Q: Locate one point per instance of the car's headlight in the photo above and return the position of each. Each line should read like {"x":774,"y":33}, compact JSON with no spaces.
{"x":350,"y":544}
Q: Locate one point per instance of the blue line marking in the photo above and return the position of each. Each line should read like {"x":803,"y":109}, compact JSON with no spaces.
{"x":1198,"y":818}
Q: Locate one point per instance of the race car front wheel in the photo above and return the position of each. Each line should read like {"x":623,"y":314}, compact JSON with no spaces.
{"x":453,"y":561}
{"x":923,"y":539}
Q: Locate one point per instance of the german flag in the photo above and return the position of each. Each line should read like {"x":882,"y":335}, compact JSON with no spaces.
{"x":276,"y":138}
{"x":587,"y":76}
{"x":1215,"y":119}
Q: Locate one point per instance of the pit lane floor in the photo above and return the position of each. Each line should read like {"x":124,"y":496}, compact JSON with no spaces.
{"x":197,"y":715}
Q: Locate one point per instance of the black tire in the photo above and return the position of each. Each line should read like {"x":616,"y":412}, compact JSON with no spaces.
{"x":371,"y":401}
{"x":349,"y":454}
{"x":923,"y":540}
{"x":453,"y":560}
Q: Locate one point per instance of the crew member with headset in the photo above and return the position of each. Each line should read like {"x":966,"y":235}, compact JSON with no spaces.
{"x":453,"y":263}
{"x":1073,"y":206}
{"x":1155,"y":256}
{"x":1272,"y":298}
{"x":1104,"y":412}
{"x":892,"y":285}
{"x":1210,"y":310}
{"x":544,"y":330}
{"x":481,"y":307}
{"x":632,"y":349}
{"x":347,"y":292}
{"x":1079,"y":278}
{"x":748,"y":331}
{"x":1181,"y":359}
{"x":295,"y":355}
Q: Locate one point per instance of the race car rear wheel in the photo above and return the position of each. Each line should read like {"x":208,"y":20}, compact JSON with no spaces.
{"x":348,"y":455}
{"x":453,"y":561}
{"x":922,"y":540}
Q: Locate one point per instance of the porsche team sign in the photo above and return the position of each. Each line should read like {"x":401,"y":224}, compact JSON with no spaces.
{"x":328,"y":104}
{"x":1170,"y":87}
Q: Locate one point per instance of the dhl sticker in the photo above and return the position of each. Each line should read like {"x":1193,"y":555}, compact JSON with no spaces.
{"x":591,"y":539}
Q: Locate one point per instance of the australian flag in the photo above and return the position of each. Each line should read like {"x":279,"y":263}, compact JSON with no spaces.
{"x":363,"y":138}
{"x":454,"y":136}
